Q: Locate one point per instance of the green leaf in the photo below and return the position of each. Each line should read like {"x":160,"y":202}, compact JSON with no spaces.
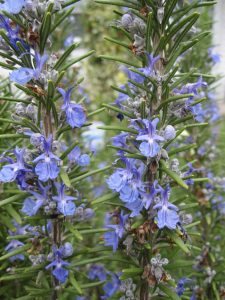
{"x":63,"y":17}
{"x":179,"y":263}
{"x":97,"y":111}
{"x":133,"y":271}
{"x":70,"y":2}
{"x":65,"y":178}
{"x":173,"y":99}
{"x":15,"y":100}
{"x":178,"y":241}
{"x":193,"y":18}
{"x":91,"y":231}
{"x":117,"y":42}
{"x":9,"y":208}
{"x":13,"y":199}
{"x":169,"y":7}
{"x":68,"y":150}
{"x":76,"y":60}
{"x":118,"y":3}
{"x":88,"y":261}
{"x":181,"y":149}
{"x":172,"y":174}
{"x":148,"y":33}
{"x":13,"y":136}
{"x":91,"y":173}
{"x":104,"y":198}
{"x":74,"y":283}
{"x":18,"y":250}
{"x":45,"y":30}
{"x":66,"y":54}
{"x":168,"y":291}
{"x":93,"y":284}
{"x":74,"y":231}
{"x":120,"y":60}
{"x":114,"y":108}
{"x":117,"y":128}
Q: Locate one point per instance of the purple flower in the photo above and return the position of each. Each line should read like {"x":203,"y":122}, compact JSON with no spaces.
{"x":30,"y":206}
{"x":167,"y":212}
{"x":97,"y":272}
{"x":121,"y":176}
{"x":135,"y":207}
{"x":122,"y":97}
{"x":76,"y":156}
{"x":111,"y":286}
{"x":12,"y":6}
{"x":169,"y":132}
{"x":112,"y":237}
{"x":148,"y":198}
{"x":67,"y":249}
{"x":13,"y":245}
{"x":65,"y":204}
{"x":215,"y":57}
{"x":134,"y":77}
{"x":149,"y":69}
{"x":150,"y":148}
{"x":192,"y":87}
{"x":12,"y":33}
{"x":75,"y":114}
{"x":180,"y":286}
{"x":11,"y":171}
{"x":120,"y":140}
{"x":24,"y":75}
{"x":69,"y":40}
{"x":144,"y":200}
{"x":197,"y":109}
{"x":130,"y":192}
{"x":59,"y":272}
{"x":47,"y":167}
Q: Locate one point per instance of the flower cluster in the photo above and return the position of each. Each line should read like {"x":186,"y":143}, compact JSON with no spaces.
{"x":46,"y":160}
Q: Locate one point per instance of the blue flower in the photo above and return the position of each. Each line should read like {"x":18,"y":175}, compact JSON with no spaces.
{"x":150,"y":148}
{"x":76,"y":156}
{"x":149,"y":69}
{"x":13,"y":245}
{"x":169,"y":132}
{"x":122,"y":97}
{"x":135,"y":207}
{"x":47,"y":167}
{"x":97,"y":271}
{"x":215,"y":57}
{"x":120,"y":140}
{"x":30,"y":206}
{"x":148,"y":198}
{"x":112,"y":237}
{"x":12,"y":34}
{"x":181,"y":286}
{"x":12,"y":6}
{"x":69,"y":40}
{"x":130,"y":192}
{"x":24,"y":75}
{"x":121,"y":176}
{"x":167,"y":212}
{"x":189,"y":172}
{"x":111,"y":286}
{"x":197,"y":109}
{"x":11,"y":171}
{"x":192,"y":87}
{"x":133,"y":76}
{"x":67,"y":249}
{"x":65,"y":204}
{"x":59,"y":272}
{"x":75,"y":114}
